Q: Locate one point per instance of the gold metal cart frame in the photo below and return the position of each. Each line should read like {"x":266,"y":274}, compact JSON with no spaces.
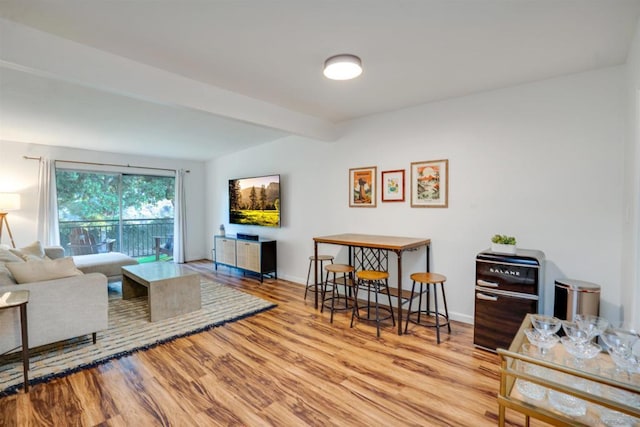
{"x":508,"y":376}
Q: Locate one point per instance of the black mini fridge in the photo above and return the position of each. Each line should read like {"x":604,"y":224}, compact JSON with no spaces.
{"x":507,"y":288}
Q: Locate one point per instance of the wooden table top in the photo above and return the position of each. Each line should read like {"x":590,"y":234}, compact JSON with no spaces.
{"x":394,"y":243}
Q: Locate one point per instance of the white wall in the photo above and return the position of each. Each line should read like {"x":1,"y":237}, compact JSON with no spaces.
{"x":20,"y":175}
{"x":631,"y":230}
{"x":541,"y":161}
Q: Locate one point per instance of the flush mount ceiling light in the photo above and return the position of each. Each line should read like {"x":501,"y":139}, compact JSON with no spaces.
{"x":342,"y":67}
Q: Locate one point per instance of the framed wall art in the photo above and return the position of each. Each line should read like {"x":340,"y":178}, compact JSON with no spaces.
{"x":430,"y":184}
{"x":392,"y":185}
{"x":362,"y":187}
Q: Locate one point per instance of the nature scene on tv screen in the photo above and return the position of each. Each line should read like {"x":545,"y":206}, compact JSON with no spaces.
{"x":255,"y":201}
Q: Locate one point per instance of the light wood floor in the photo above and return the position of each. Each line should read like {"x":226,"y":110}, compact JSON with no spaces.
{"x":285,"y":367}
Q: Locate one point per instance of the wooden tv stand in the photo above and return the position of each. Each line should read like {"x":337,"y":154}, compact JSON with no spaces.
{"x":250,"y":256}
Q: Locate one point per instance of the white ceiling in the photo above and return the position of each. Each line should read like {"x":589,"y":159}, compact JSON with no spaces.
{"x":231,"y":74}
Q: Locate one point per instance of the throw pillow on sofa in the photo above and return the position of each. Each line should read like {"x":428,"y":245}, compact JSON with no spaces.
{"x":5,"y":275}
{"x":32,"y":251}
{"x":41,"y":270}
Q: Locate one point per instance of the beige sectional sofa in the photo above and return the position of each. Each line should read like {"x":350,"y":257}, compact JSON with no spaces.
{"x":61,"y":308}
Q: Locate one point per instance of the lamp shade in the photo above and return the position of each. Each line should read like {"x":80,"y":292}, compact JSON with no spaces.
{"x":343,"y":67}
{"x":9,"y":202}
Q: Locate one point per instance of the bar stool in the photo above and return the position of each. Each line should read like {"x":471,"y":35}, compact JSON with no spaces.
{"x":376,"y":282}
{"x":321,"y":260}
{"x":335,"y":269}
{"x":428,"y":279}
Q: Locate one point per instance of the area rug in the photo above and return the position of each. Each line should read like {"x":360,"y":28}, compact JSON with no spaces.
{"x":129,"y":331}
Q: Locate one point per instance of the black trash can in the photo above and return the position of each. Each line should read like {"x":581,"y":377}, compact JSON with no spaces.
{"x":575,"y":297}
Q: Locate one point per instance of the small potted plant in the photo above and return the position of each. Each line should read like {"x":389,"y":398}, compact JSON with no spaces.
{"x":503,"y":244}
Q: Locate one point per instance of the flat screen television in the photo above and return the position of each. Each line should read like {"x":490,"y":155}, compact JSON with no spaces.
{"x":255,"y":201}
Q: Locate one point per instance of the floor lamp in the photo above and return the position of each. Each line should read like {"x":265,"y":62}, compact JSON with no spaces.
{"x":8,"y":202}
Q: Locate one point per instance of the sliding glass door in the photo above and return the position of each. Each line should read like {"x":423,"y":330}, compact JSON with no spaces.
{"x":103,"y":212}
{"x":147,"y":212}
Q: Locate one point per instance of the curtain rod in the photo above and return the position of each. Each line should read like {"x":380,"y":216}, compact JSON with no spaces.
{"x":106,"y":164}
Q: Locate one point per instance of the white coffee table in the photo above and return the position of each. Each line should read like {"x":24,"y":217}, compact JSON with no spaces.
{"x":170,"y":288}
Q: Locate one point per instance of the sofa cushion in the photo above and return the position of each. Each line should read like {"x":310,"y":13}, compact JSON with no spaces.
{"x":54,"y":252}
{"x":5,"y":275}
{"x":32,"y":251}
{"x":109,"y":263}
{"x":8,"y":256}
{"x":41,"y":270}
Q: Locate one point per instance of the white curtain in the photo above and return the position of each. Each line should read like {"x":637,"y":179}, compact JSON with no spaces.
{"x":179,"y":218}
{"x":48,"y":230}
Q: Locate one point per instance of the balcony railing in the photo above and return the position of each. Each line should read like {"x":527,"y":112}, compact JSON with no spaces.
{"x":137,"y":234}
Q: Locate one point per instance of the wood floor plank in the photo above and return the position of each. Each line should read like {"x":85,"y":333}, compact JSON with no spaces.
{"x":227,"y":408}
{"x":96,"y":405}
{"x":8,"y":409}
{"x":288,"y":366}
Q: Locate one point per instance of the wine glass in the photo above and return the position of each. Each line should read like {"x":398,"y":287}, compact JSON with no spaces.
{"x":543,"y":342}
{"x":592,"y":325}
{"x":575,"y":332}
{"x":620,"y":343}
{"x":545,"y":325}
{"x":581,"y":351}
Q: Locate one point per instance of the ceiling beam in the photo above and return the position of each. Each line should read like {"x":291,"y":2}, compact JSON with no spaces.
{"x":26,"y":49}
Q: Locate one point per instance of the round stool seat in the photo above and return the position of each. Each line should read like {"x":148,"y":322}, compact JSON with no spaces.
{"x":339,"y":268}
{"x":428,"y":277}
{"x":372,"y":275}
{"x":321,"y":258}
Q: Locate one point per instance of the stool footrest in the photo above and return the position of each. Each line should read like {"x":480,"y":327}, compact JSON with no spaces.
{"x":427,"y":313}
{"x":371,"y":309}
{"x":340,"y":303}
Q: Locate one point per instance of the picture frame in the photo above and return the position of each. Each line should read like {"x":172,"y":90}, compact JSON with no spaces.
{"x":362,"y":187}
{"x":392,"y":185}
{"x":430,"y":184}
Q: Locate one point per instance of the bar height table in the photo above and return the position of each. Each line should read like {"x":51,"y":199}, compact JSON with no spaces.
{"x":396,"y":244}
{"x":20,"y":299}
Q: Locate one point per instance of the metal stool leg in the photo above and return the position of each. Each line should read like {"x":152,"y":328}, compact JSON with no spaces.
{"x":368,"y":284}
{"x":306,"y":288}
{"x":428,"y":295}
{"x":377,"y":286}
{"x":344,"y":288}
{"x":334,"y":290}
{"x":325,"y":284}
{"x":435,"y":300}
{"x":420,"y":302}
{"x":311,"y":262}
{"x":446,"y":310}
{"x":355,"y":301}
{"x":393,"y":318}
{"x":413,"y":287}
